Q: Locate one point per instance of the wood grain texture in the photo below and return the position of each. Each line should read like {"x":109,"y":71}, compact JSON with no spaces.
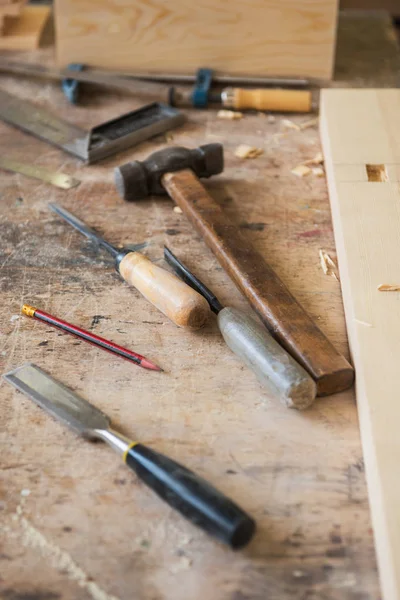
{"x":358,"y":128}
{"x":168,"y":293}
{"x":256,"y":37}
{"x":24,"y":32}
{"x":267,"y":294}
{"x":300,"y":474}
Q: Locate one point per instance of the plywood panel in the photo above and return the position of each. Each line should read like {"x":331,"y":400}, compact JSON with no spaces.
{"x":281,"y":37}
{"x":361,"y":127}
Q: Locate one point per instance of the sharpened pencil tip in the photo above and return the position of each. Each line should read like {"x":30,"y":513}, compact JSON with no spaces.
{"x":147,"y":364}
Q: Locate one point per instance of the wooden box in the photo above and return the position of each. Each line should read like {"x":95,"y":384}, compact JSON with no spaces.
{"x":241,"y":37}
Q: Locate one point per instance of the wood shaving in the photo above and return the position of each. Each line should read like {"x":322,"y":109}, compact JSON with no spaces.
{"x":317,"y":160}
{"x":245,"y":151}
{"x":318,"y":172}
{"x":177,"y":209}
{"x":271,"y":119}
{"x":308,"y":124}
{"x":328,"y":265}
{"x":169,"y":137}
{"x":287,"y":124}
{"x":230,"y":115}
{"x":386,"y":287}
{"x":301,"y":171}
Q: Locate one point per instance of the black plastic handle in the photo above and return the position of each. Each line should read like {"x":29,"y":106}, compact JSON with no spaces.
{"x":192,"y":496}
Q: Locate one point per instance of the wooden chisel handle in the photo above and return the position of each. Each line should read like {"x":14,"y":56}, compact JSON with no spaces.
{"x":168,"y":293}
{"x":266,"y":99}
{"x":279,"y":310}
{"x":278,"y":372}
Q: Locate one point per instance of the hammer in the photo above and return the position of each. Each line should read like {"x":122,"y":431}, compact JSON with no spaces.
{"x":176,"y":171}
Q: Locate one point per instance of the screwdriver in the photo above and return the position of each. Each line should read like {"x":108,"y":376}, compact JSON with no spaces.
{"x":255,"y":346}
{"x":196,"y":499}
{"x":183,"y":305}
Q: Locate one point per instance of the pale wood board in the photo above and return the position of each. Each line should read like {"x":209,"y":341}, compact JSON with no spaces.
{"x":360,"y":127}
{"x":300,"y":475}
{"x":24,"y":32}
{"x":256,"y":37}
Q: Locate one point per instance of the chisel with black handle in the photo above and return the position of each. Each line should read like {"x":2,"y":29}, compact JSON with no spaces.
{"x":183,"y":490}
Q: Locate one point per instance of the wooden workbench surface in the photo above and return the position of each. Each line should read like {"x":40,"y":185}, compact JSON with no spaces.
{"x":76,"y":523}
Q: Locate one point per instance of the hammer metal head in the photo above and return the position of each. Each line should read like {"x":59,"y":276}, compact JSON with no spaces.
{"x":136,"y":180}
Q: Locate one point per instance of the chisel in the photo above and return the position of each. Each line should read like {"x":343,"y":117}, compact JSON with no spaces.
{"x":255,"y":346}
{"x":183,"y":490}
{"x":184,"y":306}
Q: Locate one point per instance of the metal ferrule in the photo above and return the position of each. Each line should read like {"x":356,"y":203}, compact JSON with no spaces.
{"x":227,"y":97}
{"x":118,"y":442}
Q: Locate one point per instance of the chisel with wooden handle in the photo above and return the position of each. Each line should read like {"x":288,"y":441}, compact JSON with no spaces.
{"x":276,"y":370}
{"x":183,"y":490}
{"x":184,"y":306}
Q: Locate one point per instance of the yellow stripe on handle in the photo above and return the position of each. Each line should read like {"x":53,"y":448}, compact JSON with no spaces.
{"x":131,"y":445}
{"x":170,"y":295}
{"x":265,"y":99}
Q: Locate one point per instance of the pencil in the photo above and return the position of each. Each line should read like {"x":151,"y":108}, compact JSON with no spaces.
{"x":138,"y":359}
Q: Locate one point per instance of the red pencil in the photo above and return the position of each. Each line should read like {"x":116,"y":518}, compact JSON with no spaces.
{"x":138,"y":359}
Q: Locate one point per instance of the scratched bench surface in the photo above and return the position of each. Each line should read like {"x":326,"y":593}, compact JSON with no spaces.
{"x":76,"y":523}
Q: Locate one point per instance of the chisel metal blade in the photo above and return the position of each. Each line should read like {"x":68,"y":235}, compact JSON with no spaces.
{"x":58,"y":400}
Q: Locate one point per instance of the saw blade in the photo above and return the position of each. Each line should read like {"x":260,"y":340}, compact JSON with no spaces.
{"x":58,"y":400}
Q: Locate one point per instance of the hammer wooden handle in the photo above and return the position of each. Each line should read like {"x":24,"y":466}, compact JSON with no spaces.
{"x":168,"y":293}
{"x":265,"y":99}
{"x":276,"y":306}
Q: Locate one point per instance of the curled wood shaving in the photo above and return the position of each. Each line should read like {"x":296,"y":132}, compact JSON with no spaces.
{"x":308,"y":124}
{"x":230,"y":115}
{"x":287,"y":124}
{"x":177,"y":209}
{"x":328,"y":265}
{"x":244,"y":151}
{"x":317,"y":160}
{"x":301,"y":171}
{"x":386,"y":287}
{"x":318,"y":172}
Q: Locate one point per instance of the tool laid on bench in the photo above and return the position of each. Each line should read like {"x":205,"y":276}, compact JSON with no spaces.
{"x":98,"y":143}
{"x":90,"y":337}
{"x":196,"y":499}
{"x":175,"y":171}
{"x":254,"y":345}
{"x":165,"y":291}
{"x":60,"y":180}
{"x":282,"y":100}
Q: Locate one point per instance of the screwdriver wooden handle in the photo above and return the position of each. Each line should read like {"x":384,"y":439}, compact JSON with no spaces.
{"x":192,"y":496}
{"x":274,"y":367}
{"x":170,"y":295}
{"x":279,"y":310}
{"x":266,"y":99}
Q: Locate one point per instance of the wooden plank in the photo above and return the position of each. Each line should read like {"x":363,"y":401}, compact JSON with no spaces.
{"x":360,"y":128}
{"x":24,"y":32}
{"x":256,"y":37}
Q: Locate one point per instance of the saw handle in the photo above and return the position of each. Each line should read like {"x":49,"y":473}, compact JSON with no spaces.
{"x":192,"y":496}
{"x":170,"y":295}
{"x":265,"y":99}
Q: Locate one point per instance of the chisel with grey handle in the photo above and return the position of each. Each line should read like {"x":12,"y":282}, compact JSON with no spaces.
{"x":183,"y":490}
{"x":255,"y":346}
